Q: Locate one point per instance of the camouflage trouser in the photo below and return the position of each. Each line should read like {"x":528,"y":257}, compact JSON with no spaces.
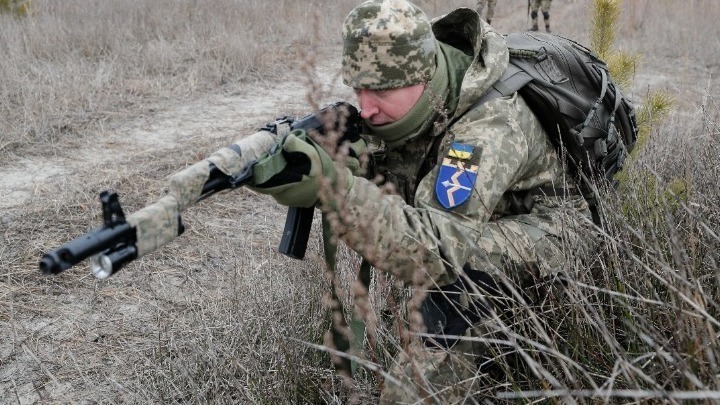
{"x":490,"y":8}
{"x":519,"y":251}
{"x":446,"y":375}
{"x":543,"y":5}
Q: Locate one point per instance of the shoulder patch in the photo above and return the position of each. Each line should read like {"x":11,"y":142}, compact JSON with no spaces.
{"x":457,"y":174}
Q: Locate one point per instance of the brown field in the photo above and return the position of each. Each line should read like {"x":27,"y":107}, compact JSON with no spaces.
{"x":119,"y":95}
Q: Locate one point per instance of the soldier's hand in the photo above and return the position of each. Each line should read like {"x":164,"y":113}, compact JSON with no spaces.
{"x":292,"y":173}
{"x":356,"y":148}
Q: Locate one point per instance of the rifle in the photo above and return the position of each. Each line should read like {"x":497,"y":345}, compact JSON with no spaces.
{"x":121,"y":240}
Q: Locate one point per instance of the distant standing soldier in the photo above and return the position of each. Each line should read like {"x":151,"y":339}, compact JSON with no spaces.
{"x":544,"y":5}
{"x":490,"y":8}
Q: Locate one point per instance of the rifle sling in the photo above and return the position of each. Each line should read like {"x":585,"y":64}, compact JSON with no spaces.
{"x":340,"y":330}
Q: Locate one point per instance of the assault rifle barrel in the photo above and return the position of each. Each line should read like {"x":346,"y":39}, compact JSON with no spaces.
{"x":115,"y":244}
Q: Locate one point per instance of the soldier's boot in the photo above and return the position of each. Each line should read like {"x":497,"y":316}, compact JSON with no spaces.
{"x":488,"y":21}
{"x":534,"y":17}
{"x":547,"y":28}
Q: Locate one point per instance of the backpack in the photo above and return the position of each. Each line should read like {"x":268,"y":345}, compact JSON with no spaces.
{"x":578,"y":104}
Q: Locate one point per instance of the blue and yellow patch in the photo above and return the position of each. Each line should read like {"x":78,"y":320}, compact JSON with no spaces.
{"x":460,"y":151}
{"x":456,"y":178}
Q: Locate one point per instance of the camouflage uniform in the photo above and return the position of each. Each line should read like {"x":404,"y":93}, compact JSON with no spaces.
{"x":490,"y":9}
{"x":428,"y":235}
{"x":543,"y":5}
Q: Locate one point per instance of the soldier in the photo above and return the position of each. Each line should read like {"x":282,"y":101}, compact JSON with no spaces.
{"x":483,"y":207}
{"x":545,"y":6}
{"x":490,"y":9}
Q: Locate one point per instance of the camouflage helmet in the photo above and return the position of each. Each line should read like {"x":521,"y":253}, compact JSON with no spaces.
{"x":387,"y":44}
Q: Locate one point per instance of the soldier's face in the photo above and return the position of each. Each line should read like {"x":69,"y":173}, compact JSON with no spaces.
{"x":381,"y":107}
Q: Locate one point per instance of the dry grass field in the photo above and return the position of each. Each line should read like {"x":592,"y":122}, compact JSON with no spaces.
{"x":119,"y":95}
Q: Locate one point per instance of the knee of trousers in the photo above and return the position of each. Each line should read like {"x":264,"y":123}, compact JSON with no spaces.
{"x":533,"y":14}
{"x":546,"y":15}
{"x":447,"y":317}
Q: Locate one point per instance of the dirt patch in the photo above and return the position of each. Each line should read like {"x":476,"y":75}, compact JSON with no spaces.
{"x":178,"y":123}
{"x":19,"y":182}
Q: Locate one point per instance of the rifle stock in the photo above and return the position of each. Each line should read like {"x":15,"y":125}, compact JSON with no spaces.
{"x":121,"y":240}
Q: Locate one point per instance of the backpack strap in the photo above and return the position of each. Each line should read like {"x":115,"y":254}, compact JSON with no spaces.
{"x":512,"y":80}
{"x":603,"y":90}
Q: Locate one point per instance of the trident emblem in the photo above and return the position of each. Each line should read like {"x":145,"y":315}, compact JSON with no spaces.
{"x":456,"y":179}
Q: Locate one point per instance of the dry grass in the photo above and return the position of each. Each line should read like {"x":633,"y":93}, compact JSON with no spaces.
{"x":73,"y":64}
{"x":218,"y":315}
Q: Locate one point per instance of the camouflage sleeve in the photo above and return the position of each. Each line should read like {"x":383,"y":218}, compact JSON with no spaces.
{"x":425,"y":242}
{"x":396,"y":237}
{"x":510,"y":152}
